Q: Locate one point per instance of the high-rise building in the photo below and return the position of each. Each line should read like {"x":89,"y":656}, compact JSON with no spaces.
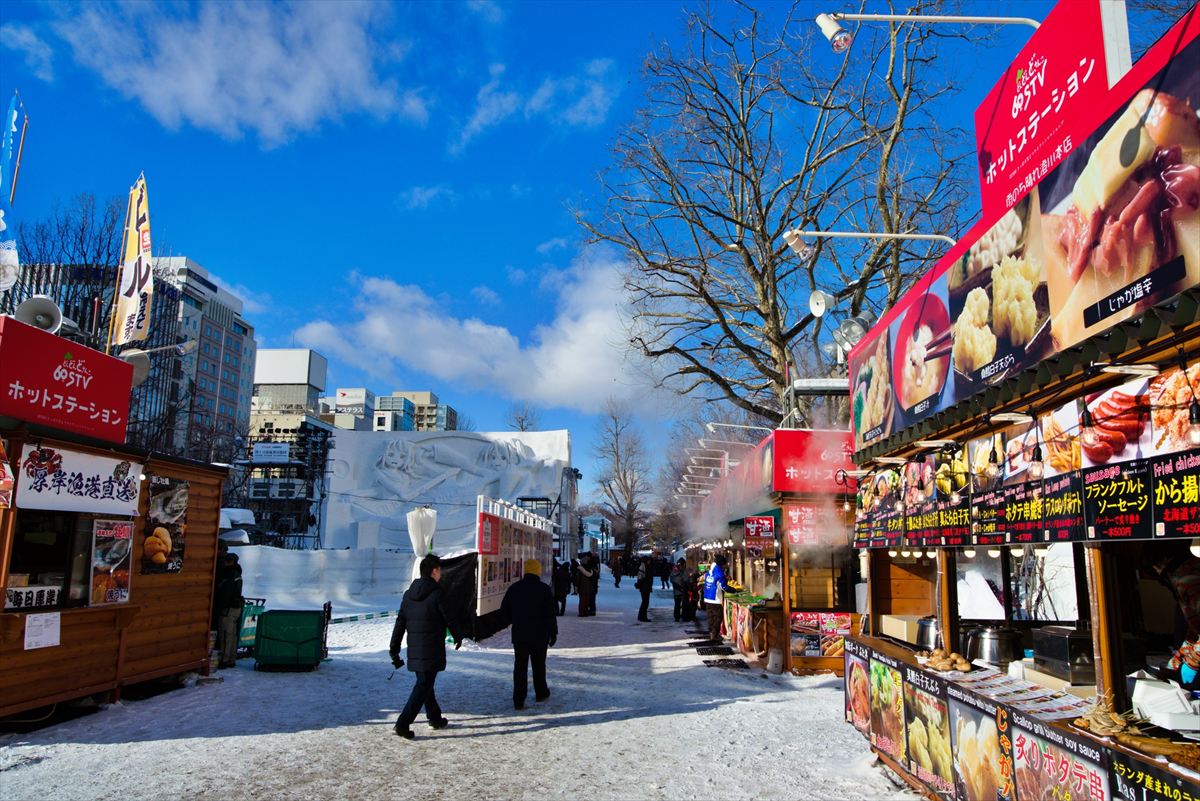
{"x":289,"y":445}
{"x":217,"y":376}
{"x":428,"y":414}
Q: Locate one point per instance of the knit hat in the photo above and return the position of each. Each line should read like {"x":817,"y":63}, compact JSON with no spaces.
{"x":533,"y":566}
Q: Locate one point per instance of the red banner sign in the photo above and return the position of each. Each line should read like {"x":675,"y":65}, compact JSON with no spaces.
{"x":1031,"y":118}
{"x":809,"y":461}
{"x":51,"y":381}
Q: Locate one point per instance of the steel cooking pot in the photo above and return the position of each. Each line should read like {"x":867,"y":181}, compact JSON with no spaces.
{"x":928,"y":635}
{"x":995,"y":645}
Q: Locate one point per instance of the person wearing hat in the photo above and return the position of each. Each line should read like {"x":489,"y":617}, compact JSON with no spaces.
{"x":529,"y":607}
{"x":227,"y":608}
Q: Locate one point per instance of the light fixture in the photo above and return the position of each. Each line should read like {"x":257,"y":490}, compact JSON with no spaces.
{"x":846,"y":505}
{"x":892,"y":553}
{"x":1087,"y":430}
{"x":994,"y":553}
{"x":969,"y":553}
{"x":993,"y":466}
{"x":890,"y":460}
{"x":935,"y":444}
{"x":1012,"y":417}
{"x":1042,"y":551}
{"x":1195,"y":548}
{"x":931,"y":554}
{"x":1138,"y":370}
{"x":955,"y":497}
{"x":905,"y":554}
{"x":899,"y":505}
{"x":1037,"y":467}
{"x":839,"y":38}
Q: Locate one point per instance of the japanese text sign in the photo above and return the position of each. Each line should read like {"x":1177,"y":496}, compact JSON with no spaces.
{"x":137,"y":272}
{"x":809,"y":461}
{"x":68,"y":481}
{"x":48,"y":380}
{"x":1039,"y":103}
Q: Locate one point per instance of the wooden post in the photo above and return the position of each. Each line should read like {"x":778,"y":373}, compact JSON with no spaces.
{"x":947,"y":601}
{"x":1107,"y":680}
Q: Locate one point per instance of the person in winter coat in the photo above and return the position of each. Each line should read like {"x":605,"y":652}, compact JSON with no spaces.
{"x":562,"y":585}
{"x":691,"y":594}
{"x":614,"y":564}
{"x":227,"y":606}
{"x":575,"y":577}
{"x":425,"y":618}
{"x":715,"y":583}
{"x":529,"y":606}
{"x":587,"y":593}
{"x":679,"y":577}
{"x":645,"y":585}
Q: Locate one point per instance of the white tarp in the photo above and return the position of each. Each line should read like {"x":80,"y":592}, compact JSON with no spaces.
{"x":378,"y":477}
{"x":358,"y":581}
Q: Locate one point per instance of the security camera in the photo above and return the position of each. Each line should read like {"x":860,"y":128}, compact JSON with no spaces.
{"x":839,"y":38}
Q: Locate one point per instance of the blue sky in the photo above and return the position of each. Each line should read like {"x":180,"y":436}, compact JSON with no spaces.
{"x":386,"y":183}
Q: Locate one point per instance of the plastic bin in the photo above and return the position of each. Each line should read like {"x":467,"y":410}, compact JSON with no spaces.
{"x":250,"y":611}
{"x":289,"y":639}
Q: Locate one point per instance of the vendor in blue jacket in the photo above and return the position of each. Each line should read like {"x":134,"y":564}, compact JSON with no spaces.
{"x":715,"y":583}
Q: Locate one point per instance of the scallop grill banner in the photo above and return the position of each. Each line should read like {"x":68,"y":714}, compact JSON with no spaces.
{"x":166,"y":526}
{"x":1111,"y":230}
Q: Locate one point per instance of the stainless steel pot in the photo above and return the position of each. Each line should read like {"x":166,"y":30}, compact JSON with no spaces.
{"x":995,"y":645}
{"x":928,"y":635}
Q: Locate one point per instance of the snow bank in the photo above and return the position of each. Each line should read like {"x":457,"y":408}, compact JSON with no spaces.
{"x":355,"y":581}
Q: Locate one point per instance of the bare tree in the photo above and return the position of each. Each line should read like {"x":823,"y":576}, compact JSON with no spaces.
{"x":624,"y":479}
{"x":523,"y":417}
{"x":84,"y":232}
{"x":744,"y":135}
{"x":465,"y":423}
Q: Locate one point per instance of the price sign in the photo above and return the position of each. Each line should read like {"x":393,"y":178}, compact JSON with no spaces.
{"x":1176,"y":481}
{"x":1116,"y":501}
{"x":1062,"y":507}
{"x":954,"y":519}
{"x":1023,"y":509}
{"x":990,"y":526}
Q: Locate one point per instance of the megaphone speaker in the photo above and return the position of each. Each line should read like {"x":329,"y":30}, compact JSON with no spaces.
{"x":819,"y":303}
{"x":40,"y":312}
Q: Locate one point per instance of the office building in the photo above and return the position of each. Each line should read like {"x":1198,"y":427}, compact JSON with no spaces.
{"x":428,"y":414}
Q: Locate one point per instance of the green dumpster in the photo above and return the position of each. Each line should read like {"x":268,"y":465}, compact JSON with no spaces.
{"x":289,"y":639}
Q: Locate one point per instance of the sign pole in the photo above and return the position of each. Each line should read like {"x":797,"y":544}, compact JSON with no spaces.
{"x":112,"y":317}
{"x":12,"y":189}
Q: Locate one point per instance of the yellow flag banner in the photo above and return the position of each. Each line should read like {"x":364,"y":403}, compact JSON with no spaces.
{"x":136,"y":284}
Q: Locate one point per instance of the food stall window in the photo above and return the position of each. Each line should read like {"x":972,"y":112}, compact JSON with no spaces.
{"x":822,"y":578}
{"x":1043,"y":583}
{"x":50,"y":565}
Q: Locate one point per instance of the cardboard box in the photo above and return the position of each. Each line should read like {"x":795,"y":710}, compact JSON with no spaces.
{"x":1153,"y":697}
{"x":902,"y":627}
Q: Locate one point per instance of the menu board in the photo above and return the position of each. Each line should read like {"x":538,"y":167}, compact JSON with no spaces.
{"x":1135,"y":779}
{"x":819,"y":634}
{"x":166,"y":529}
{"x":1050,"y":763}
{"x":857,"y":686}
{"x":759,"y":536}
{"x":887,"y":707}
{"x":927,"y":721}
{"x":1023,"y":513}
{"x":982,"y":767}
{"x":111,"y":555}
{"x":1067,"y":259}
{"x":1062,"y":505}
{"x":1176,"y":482}
{"x":990,"y":527}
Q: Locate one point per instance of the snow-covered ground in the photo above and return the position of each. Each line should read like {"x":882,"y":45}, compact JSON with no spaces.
{"x":633,"y":714}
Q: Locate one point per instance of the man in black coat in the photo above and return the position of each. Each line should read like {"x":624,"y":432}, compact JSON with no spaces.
{"x":562,"y":586}
{"x":424,"y":616}
{"x":227,"y":607}
{"x":529,"y":606}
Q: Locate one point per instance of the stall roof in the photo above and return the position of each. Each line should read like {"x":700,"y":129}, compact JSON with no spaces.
{"x":34,"y":432}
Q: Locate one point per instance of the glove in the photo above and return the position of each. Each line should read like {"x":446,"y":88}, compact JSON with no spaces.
{"x":458,"y":643}
{"x":397,"y":662}
{"x":553,"y":639}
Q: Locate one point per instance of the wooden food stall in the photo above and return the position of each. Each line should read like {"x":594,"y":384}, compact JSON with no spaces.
{"x":107,"y":554}
{"x":1030,"y":505}
{"x":782,"y":515}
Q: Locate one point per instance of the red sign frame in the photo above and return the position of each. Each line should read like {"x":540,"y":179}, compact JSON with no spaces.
{"x":54,"y":382}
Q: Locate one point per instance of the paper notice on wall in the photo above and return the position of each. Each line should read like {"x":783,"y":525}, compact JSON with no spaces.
{"x":42,"y":631}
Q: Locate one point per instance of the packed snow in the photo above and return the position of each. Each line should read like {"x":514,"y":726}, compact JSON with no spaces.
{"x":633,"y":714}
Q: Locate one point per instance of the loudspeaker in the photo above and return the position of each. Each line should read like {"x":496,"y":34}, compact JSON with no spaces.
{"x":40,"y":312}
{"x":819,"y":303}
{"x":140,"y":362}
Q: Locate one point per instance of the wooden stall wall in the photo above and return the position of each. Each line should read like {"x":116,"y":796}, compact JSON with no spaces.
{"x":900,"y":588}
{"x":161,"y":631}
{"x":170,"y":632}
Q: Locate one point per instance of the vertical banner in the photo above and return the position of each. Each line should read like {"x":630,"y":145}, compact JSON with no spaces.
{"x":166,"y":526}
{"x":858,"y":688}
{"x":112,"y":542}
{"x":136,"y":283}
{"x":12,"y":141}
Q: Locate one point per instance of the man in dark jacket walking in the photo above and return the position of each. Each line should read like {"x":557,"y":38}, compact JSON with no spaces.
{"x":425,"y":618}
{"x":679,"y":580}
{"x":529,"y":606}
{"x":645,"y":585}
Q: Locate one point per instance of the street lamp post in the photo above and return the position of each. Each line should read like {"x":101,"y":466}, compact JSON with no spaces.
{"x":712,"y":427}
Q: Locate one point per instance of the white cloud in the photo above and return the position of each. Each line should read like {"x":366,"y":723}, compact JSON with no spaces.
{"x":486,"y":296}
{"x":574,"y":362}
{"x":420,"y":197}
{"x":579,"y":101}
{"x":276,"y":70}
{"x":516,"y":276}
{"x":253,"y":301}
{"x":493,"y":106}
{"x":551,"y":244}
{"x":39,"y":57}
{"x":487,"y":10}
